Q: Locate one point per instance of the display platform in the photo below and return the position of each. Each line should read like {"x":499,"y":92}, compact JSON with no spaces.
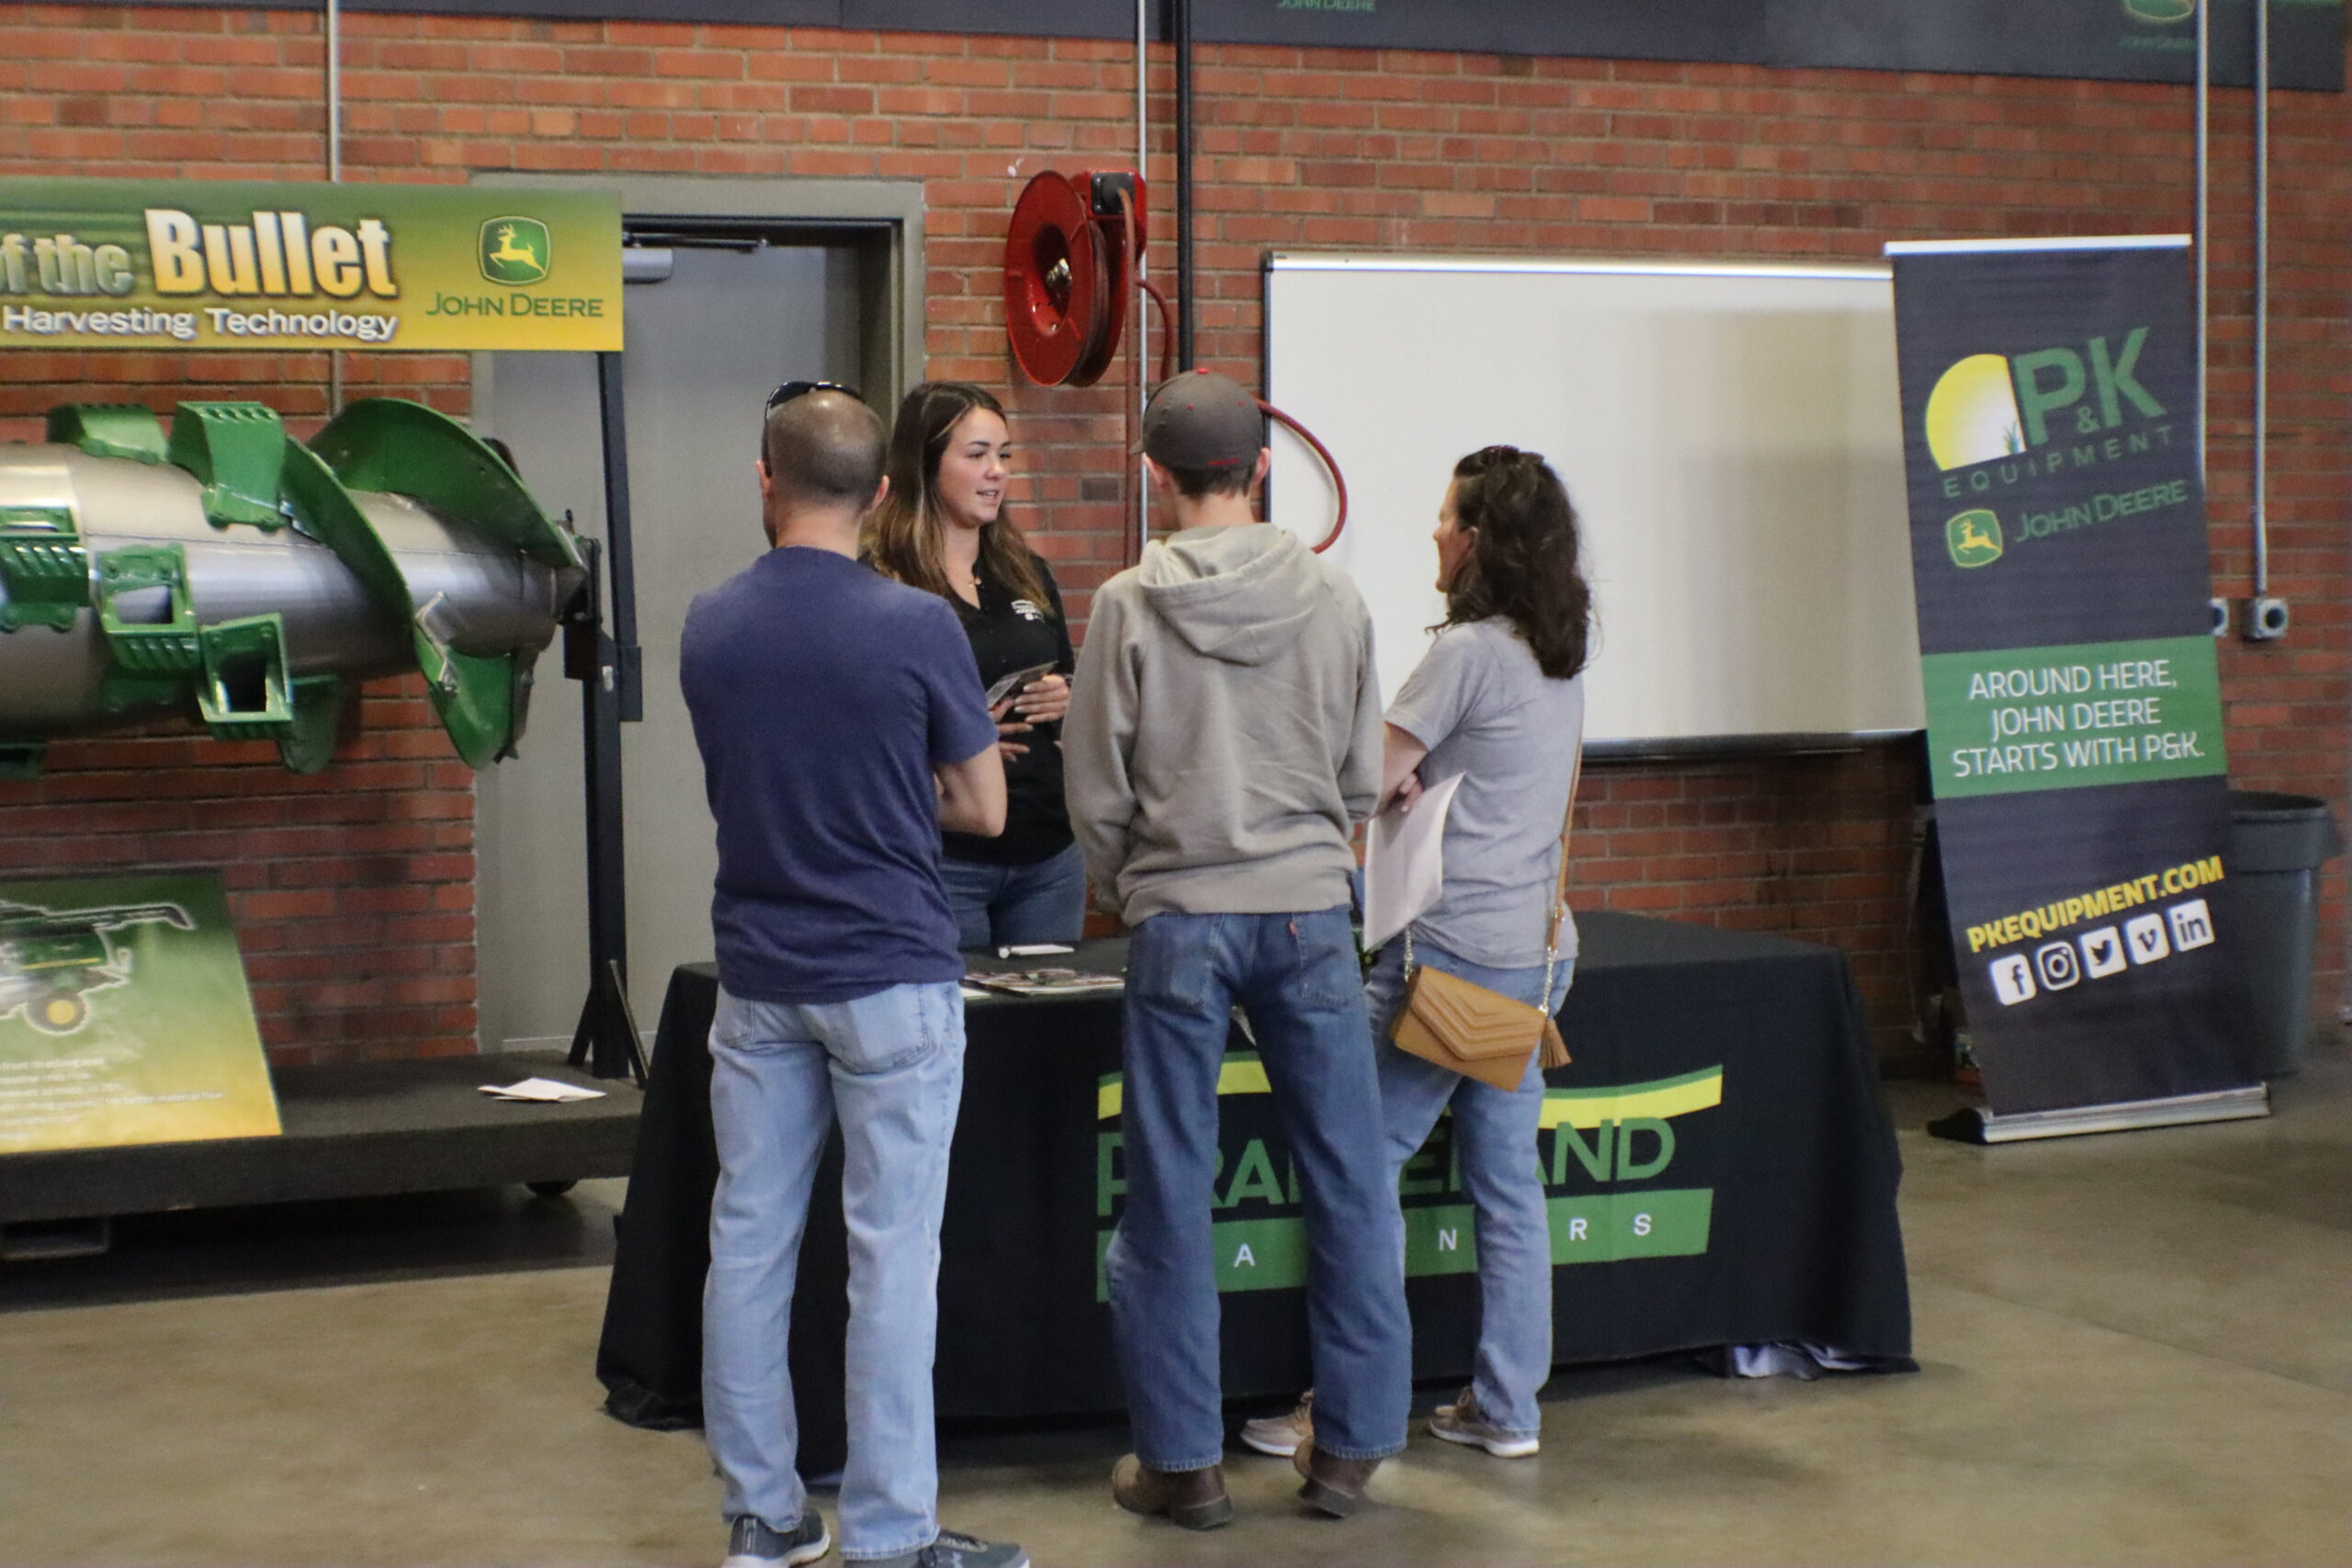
{"x":1721,"y":1168}
{"x":360,"y":1130}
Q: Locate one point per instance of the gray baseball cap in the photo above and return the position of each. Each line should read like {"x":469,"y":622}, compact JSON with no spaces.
{"x":1202,"y":420}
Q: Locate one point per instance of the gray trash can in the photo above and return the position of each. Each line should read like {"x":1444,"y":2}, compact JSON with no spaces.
{"x":2277,"y":842}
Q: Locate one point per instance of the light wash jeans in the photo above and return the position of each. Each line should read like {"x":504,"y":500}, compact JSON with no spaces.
{"x":1296,"y":975}
{"x":1494,"y":1135}
{"x":890,"y":1066}
{"x":1002,"y":906}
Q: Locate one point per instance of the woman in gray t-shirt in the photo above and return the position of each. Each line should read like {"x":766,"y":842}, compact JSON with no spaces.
{"x":1499,"y":700}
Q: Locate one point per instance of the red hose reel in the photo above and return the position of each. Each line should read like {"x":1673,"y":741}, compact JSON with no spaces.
{"x":1070,"y":273}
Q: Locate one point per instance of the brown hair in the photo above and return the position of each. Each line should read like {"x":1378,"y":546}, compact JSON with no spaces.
{"x":903,"y":536}
{"x":1525,"y":564}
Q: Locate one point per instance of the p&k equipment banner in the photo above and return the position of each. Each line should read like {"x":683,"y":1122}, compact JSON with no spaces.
{"x":234,"y":264}
{"x":2074,"y":705}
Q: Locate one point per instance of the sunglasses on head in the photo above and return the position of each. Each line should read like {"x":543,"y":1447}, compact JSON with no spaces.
{"x":792,"y":390}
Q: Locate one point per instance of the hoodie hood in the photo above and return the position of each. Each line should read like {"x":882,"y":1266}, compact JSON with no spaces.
{"x":1236,"y":594}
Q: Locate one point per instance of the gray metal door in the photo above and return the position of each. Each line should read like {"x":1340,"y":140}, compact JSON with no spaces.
{"x":704,"y":349}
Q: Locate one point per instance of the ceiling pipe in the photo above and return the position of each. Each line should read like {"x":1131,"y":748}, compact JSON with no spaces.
{"x":1184,"y":280}
{"x":1142,"y":392}
{"x":2204,"y":210}
{"x":334,"y":167}
{"x":2261,"y":296}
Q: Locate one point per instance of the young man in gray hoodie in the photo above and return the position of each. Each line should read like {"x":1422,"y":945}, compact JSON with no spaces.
{"x":1223,"y":739}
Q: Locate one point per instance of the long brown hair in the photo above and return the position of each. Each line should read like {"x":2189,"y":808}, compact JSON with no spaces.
{"x":1525,"y":565}
{"x":904,"y":534}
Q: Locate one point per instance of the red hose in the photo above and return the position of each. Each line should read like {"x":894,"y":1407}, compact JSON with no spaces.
{"x":1338,"y":480}
{"x":1167,"y":369}
{"x":1166,"y":328}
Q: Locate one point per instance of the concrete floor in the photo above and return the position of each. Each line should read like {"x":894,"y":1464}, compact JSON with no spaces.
{"x":2135,"y":1348}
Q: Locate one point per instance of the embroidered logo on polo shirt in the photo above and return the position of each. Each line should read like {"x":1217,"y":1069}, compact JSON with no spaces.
{"x":1026,"y":611}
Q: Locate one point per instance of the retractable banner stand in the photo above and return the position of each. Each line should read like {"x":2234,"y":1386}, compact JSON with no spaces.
{"x":2073,"y":704}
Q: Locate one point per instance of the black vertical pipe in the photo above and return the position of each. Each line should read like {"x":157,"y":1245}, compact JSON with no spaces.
{"x":607,"y":863}
{"x":606,"y":1039}
{"x":611,"y":694}
{"x":619,"y":555}
{"x":1183,"y":29}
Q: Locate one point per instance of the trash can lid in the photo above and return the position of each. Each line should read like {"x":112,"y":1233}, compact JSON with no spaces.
{"x":2273,"y":806}
{"x":2271,"y":831}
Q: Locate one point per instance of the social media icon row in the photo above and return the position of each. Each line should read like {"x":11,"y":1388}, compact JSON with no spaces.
{"x":2144,"y":939}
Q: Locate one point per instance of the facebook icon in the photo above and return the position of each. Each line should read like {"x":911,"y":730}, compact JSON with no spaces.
{"x":2012,"y":979}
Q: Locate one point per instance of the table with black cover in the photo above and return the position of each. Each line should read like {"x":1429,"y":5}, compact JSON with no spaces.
{"x":1722,"y":1172}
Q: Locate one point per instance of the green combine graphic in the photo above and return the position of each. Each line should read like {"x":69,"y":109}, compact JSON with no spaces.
{"x":51,"y":960}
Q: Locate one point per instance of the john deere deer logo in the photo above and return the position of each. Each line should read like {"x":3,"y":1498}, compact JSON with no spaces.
{"x":1974,"y":538}
{"x":515,"y":250}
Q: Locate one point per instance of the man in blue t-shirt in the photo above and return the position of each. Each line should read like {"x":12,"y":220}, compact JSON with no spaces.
{"x":842,"y":726}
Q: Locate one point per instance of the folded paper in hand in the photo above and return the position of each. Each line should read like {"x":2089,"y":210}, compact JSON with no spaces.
{"x":1404,"y":863}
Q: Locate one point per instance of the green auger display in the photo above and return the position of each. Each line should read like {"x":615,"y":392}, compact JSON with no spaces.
{"x":235,"y":576}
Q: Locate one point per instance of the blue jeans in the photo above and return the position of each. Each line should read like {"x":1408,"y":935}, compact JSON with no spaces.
{"x":1003,"y":906}
{"x":891,"y":1066}
{"x":1296,"y":975}
{"x":1494,"y":1136}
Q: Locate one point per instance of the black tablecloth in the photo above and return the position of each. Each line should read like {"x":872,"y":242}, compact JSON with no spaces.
{"x":1727,"y":1176}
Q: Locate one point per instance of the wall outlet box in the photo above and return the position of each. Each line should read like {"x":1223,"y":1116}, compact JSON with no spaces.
{"x":2264,"y":619}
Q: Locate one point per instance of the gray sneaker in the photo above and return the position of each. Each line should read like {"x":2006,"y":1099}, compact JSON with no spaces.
{"x":953,"y":1550}
{"x":752,"y":1544}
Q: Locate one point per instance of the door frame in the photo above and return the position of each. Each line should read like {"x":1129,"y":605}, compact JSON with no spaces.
{"x":881,"y":220}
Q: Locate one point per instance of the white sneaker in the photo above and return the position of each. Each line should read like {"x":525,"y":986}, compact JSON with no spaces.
{"x":1461,"y":1423}
{"x":1281,"y":1435}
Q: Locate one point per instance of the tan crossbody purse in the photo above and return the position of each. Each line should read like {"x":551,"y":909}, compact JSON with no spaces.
{"x":1465,"y":1028}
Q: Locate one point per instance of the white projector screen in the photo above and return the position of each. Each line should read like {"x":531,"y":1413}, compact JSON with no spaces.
{"x":1731,"y":437}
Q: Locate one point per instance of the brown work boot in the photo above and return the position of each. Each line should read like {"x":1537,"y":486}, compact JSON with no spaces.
{"x":1194,"y":1499}
{"x":1334,"y":1485}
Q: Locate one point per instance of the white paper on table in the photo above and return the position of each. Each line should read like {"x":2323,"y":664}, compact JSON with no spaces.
{"x":548,"y":1092}
{"x":1403,"y":862}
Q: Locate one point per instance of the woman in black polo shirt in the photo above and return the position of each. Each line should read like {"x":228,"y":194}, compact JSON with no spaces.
{"x":942,"y":528}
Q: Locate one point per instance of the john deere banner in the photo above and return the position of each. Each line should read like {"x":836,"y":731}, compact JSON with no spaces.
{"x":137,"y":264}
{"x":2074,"y":710}
{"x":124,"y":1017}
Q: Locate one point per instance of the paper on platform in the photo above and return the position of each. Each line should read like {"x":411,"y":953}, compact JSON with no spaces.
{"x":546,"y":1091}
{"x":1403,"y":862}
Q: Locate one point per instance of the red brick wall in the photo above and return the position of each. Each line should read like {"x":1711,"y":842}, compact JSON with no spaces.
{"x":354,"y":890}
